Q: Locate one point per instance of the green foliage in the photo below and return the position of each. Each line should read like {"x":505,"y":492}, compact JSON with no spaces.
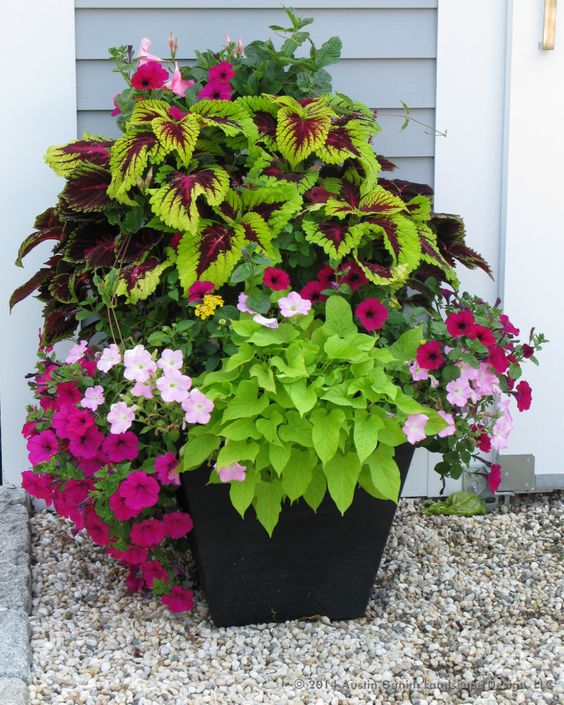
{"x":305,"y":439}
{"x":464,"y":504}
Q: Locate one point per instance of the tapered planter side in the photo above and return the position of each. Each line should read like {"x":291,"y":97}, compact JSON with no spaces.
{"x":315,"y":563}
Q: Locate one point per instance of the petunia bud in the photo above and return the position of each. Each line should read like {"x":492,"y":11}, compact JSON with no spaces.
{"x":172,"y":45}
{"x":240,"y":47}
{"x":228,"y":40}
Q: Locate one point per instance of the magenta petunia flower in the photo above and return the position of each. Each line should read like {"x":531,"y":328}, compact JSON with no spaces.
{"x":154,"y":570}
{"x":165,"y":465}
{"x":134,"y":581}
{"x":312,"y":292}
{"x":122,"y":511}
{"x":414,"y":427}
{"x":91,"y":465}
{"x":528,"y":351}
{"x":372,"y":314}
{"x":149,"y":76}
{"x":494,"y":478}
{"x":508,"y":327}
{"x":42,"y":447}
{"x":98,"y":530}
{"x":498,"y":360}
{"x":176,"y":114}
{"x":79,"y":421}
{"x":222,"y":73}
{"x":460,"y":323}
{"x":139,"y":490}
{"x":199,"y":289}
{"x":147,"y":533}
{"x":177,"y":524}
{"x":67,"y":394}
{"x":135,"y":555}
{"x":524,"y":395}
{"x":429,"y":355}
{"x":326,"y":276}
{"x":117,"y":110}
{"x":28,"y":429}
{"x":216,"y":90}
{"x":179,"y":599}
{"x":353,"y":275}
{"x":87,"y":443}
{"x":89,"y":367}
{"x":276,"y":279}
{"x":121,"y":446}
{"x":39,"y":486}
{"x":484,"y":335}
{"x":60,"y":421}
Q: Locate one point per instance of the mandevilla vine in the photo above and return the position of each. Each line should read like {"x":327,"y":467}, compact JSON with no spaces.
{"x":248,"y":290}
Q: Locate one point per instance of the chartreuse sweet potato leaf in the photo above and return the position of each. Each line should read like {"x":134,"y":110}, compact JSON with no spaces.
{"x":240,"y":430}
{"x":384,"y":472}
{"x":175,"y":202}
{"x":316,"y":489}
{"x":338,"y":317}
{"x":198,"y":448}
{"x":268,"y":503}
{"x":365,"y":434}
{"x":242,"y":492}
{"x":405,"y":347}
{"x":326,"y":432}
{"x":236,"y":451}
{"x":246,"y":402}
{"x":279,"y":457}
{"x":342,"y":473}
{"x":298,"y":473}
{"x":303,"y":395}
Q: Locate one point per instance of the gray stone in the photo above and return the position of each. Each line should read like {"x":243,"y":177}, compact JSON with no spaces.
{"x":14,"y":645}
{"x":14,"y":530}
{"x":13,"y":691}
{"x":15,"y":583}
{"x":13,"y":495}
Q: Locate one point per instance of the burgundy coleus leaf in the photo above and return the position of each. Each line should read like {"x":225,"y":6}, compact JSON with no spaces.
{"x":92,"y":243}
{"x":178,"y":136}
{"x":61,"y":287}
{"x":48,"y":228}
{"x":266,"y":124}
{"x":134,"y":248}
{"x":131,"y":155}
{"x":64,"y":159}
{"x":451,"y":235}
{"x":406,"y":190}
{"x":385,"y":163}
{"x":60,"y":323}
{"x":30,"y":286}
{"x":136,"y":272}
{"x":302,"y":129}
{"x":336,"y":237}
{"x":86,"y":189}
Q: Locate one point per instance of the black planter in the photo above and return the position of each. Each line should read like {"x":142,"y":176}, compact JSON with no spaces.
{"x":315,"y":563}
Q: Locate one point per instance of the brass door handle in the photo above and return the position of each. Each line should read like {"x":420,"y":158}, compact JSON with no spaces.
{"x":549,"y":25}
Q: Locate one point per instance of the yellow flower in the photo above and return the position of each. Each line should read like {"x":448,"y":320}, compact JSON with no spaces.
{"x":208,"y":306}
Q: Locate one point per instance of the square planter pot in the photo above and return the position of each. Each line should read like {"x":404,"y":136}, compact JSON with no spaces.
{"x":315,"y":563}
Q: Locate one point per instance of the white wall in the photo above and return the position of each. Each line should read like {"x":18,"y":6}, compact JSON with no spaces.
{"x":39,"y":107}
{"x":533,"y":287}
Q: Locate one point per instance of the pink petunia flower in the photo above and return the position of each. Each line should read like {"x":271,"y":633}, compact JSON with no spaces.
{"x":494,"y":478}
{"x":199,"y":289}
{"x":173,"y":386}
{"x":149,"y":77}
{"x":293,"y":305}
{"x":140,"y":389}
{"x":233,"y":472}
{"x":139,"y":490}
{"x":109,"y":358}
{"x":170,"y":360}
{"x":418,"y":374}
{"x":154,"y":570}
{"x":177,"y":84}
{"x":134,"y":581}
{"x":242,"y":304}
{"x":42,"y":447}
{"x":458,"y":392}
{"x":450,"y":430}
{"x":93,"y":397}
{"x":139,"y":365}
{"x":414,"y":427}
{"x":177,"y":524}
{"x":120,"y":417}
{"x":266,"y":322}
{"x":121,"y":446}
{"x":76,"y":352}
{"x":179,"y":599}
{"x":39,"y":486}
{"x":122,"y":511}
{"x":198,"y":407}
{"x":68,"y":394}
{"x":147,"y":533}
{"x":276,"y":279}
{"x":222,"y":72}
{"x":117,"y":110}
{"x":165,"y":465}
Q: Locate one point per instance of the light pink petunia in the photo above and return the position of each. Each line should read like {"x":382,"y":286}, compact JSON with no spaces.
{"x":418,"y":373}
{"x":197,"y":407}
{"x":450,"y":430}
{"x":266,"y":322}
{"x":174,"y":386}
{"x":139,"y":365}
{"x":486,"y":382}
{"x":414,"y":427}
{"x":170,"y":360}
{"x":109,"y":358}
{"x":242,"y":304}
{"x":458,"y":392}
{"x":293,"y":305}
{"x":77,"y":351}
{"x":93,"y":397}
{"x":233,"y":472}
{"x":177,"y":84}
{"x":140,"y":389}
{"x":120,"y":417}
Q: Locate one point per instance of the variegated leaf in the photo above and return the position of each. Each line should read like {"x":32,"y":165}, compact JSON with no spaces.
{"x":179,"y":137}
{"x":89,"y":149}
{"x":131,"y":155}
{"x":86,"y":188}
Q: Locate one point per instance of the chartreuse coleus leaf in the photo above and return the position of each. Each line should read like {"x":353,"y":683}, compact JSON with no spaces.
{"x":230,"y":117}
{"x":145,"y":285}
{"x":131,"y":155}
{"x":268,"y":503}
{"x":336,"y":237}
{"x":89,"y":149}
{"x":178,"y":136}
{"x":384,"y":472}
{"x":263,"y":111}
{"x":342,"y":473}
{"x":211,"y":254}
{"x":275,"y":204}
{"x":175,"y":202}
{"x":301,"y":129}
{"x":431,"y":253}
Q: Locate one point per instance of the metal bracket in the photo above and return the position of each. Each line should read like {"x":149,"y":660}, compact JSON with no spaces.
{"x":549,"y":26}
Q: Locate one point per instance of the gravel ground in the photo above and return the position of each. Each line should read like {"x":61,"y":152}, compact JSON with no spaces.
{"x":464,"y":611}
